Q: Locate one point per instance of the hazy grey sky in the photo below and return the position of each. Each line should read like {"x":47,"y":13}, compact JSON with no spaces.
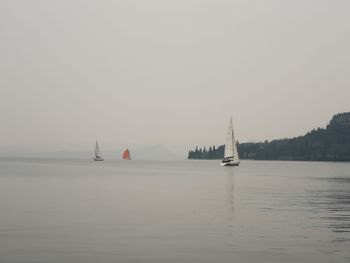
{"x":146,"y":72}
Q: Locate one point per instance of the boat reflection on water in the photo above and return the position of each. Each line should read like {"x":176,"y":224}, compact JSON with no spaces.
{"x":230,"y":184}
{"x":230,"y":189}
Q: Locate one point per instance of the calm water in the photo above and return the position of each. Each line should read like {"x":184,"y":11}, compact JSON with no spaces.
{"x":179,"y":211}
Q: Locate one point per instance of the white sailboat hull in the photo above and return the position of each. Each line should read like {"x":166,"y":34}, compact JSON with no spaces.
{"x":233,"y":163}
{"x":229,"y":161}
{"x":97,"y":159}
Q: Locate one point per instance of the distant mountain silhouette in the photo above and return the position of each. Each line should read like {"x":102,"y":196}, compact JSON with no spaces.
{"x":154,"y":152}
{"x":322,"y":144}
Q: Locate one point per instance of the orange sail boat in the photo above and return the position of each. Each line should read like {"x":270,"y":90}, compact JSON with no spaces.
{"x":126,"y":155}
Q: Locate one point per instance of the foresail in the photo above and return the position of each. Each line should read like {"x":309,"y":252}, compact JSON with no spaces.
{"x":229,"y":144}
{"x":235,"y":151}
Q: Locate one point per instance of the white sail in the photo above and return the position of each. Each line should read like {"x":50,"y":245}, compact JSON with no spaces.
{"x":235,"y":151}
{"x":97,"y":153}
{"x":230,"y":143}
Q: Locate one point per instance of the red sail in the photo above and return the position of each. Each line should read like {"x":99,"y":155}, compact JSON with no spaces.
{"x":126,"y":155}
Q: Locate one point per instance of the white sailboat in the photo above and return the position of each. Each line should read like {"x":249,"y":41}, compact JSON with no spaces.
{"x":231,"y":157}
{"x":97,"y":153}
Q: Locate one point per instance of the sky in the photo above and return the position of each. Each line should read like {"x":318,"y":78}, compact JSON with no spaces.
{"x":138,"y":73}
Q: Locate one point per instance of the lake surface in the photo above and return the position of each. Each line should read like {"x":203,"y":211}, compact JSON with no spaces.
{"x":176,"y":211}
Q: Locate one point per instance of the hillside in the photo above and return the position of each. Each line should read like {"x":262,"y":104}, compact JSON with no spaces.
{"x":323,"y":144}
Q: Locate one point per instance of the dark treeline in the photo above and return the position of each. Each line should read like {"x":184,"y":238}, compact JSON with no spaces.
{"x":211,"y":153}
{"x":322,"y":144}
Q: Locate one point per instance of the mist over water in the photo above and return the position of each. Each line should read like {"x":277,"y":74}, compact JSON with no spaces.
{"x":173,"y":211}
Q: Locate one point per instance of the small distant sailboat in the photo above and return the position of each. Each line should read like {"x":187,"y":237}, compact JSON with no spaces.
{"x":231,"y":157}
{"x":97,"y":153}
{"x":126,"y":155}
